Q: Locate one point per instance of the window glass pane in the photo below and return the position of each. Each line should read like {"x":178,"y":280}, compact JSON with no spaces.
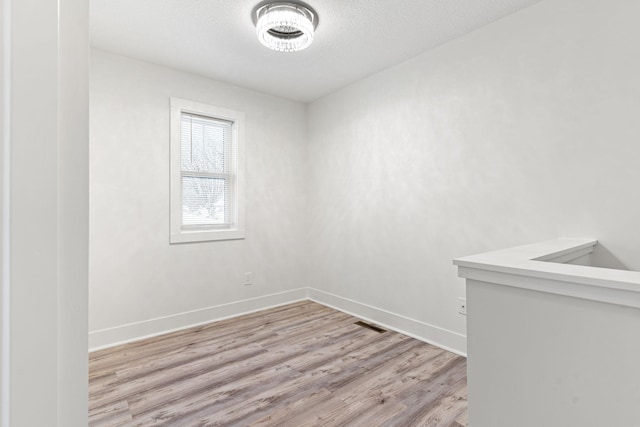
{"x":204,"y":200}
{"x":205,"y":144}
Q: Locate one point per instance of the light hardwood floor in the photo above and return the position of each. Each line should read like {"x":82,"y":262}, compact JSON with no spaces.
{"x":302,"y":364}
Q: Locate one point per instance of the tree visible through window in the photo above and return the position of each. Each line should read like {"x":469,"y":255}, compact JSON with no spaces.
{"x":206,"y":173}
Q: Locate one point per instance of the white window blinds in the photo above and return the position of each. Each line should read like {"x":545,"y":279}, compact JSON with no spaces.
{"x":206,"y":171}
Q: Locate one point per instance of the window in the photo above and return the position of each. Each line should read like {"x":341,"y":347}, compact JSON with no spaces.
{"x":206,"y":172}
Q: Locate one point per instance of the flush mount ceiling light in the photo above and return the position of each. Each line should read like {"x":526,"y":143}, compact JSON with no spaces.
{"x":285,"y":26}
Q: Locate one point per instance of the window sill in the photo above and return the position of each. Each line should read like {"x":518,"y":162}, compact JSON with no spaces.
{"x":192,"y":236}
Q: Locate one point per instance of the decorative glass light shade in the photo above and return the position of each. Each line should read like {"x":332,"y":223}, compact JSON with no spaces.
{"x":285,"y":27}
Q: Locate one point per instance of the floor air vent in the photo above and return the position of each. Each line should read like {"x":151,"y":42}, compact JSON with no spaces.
{"x":370,"y":326}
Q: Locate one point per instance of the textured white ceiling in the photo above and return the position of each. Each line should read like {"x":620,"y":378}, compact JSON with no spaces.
{"x":354,"y":38}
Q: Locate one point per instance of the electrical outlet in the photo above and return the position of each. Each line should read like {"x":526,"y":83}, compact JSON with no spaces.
{"x":462,"y":306}
{"x":247,"y":278}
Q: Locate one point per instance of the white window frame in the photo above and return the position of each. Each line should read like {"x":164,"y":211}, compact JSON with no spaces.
{"x":186,"y":234}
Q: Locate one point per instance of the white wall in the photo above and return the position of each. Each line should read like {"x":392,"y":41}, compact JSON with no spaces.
{"x":522,"y":131}
{"x":135,"y":274}
{"x":45,"y":118}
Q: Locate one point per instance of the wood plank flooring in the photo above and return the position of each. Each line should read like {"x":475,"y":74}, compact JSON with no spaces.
{"x":302,"y":364}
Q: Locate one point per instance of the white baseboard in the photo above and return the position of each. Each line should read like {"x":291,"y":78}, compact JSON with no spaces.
{"x":443,"y":338}
{"x":111,"y":337}
{"x":431,"y":334}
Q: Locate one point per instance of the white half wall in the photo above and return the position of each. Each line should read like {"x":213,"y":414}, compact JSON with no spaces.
{"x":522,"y":131}
{"x":135,"y":274}
{"x":549,"y":342}
{"x":550,"y":360}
